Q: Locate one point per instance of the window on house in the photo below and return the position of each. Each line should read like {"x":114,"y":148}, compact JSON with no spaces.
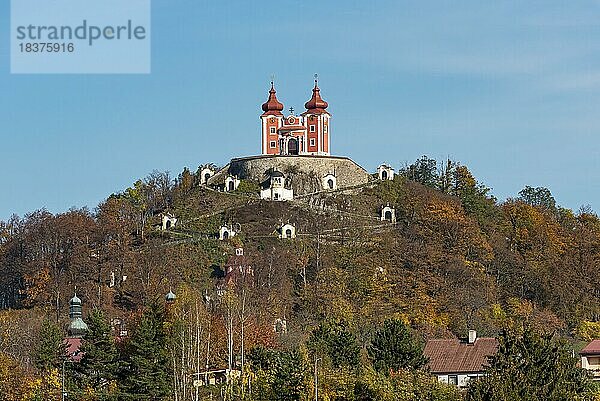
{"x":312,"y":128}
{"x":272,"y":144}
{"x":325,"y":128}
{"x":453,"y":379}
{"x":312,"y":141}
{"x":272,"y":130}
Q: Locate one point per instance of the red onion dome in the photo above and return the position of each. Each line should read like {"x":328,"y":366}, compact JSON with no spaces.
{"x":272,"y":106}
{"x":316,"y":103}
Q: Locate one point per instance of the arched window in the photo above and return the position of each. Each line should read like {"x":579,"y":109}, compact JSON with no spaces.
{"x":330,"y":183}
{"x":225,"y":234}
{"x":288,"y":233}
{"x":388,"y":215}
{"x":384,"y":175}
{"x":206,"y":177}
{"x":231,"y":185}
{"x":168,"y":225}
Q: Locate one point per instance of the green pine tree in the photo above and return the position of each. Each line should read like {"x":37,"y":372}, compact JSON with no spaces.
{"x":98,"y":366}
{"x":50,"y":351}
{"x":279,"y":375}
{"x":146,"y":374}
{"x":393,"y":348}
{"x":333,"y":339}
{"x":532,"y":367}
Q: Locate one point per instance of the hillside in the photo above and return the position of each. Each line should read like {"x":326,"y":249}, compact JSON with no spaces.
{"x":454,"y":259}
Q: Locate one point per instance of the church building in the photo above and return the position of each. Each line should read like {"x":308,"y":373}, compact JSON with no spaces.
{"x":295,"y":157}
{"x":304,"y":134}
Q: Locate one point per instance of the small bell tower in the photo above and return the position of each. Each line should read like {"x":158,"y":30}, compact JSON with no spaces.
{"x":77,"y":327}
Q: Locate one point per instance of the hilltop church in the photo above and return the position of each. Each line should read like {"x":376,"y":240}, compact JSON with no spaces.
{"x":296,"y":155}
{"x":306,"y":134}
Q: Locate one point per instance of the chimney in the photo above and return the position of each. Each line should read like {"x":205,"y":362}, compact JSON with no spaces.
{"x":472,"y":336}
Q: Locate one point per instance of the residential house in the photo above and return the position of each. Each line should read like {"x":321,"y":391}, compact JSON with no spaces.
{"x":590,"y":358}
{"x":457,"y":361}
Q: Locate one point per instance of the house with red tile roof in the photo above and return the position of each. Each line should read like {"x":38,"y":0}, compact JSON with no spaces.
{"x":456,"y":361}
{"x":590,"y":358}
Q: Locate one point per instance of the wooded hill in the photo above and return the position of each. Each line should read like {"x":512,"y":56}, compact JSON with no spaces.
{"x":455,"y":259}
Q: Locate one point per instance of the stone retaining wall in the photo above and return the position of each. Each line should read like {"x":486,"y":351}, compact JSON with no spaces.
{"x":303,"y":173}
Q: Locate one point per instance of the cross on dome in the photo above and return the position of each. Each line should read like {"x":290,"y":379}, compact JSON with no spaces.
{"x":272,"y":105}
{"x":316,"y":104}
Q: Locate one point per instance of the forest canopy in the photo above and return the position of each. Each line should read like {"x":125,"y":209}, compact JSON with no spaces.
{"x":454,"y":259}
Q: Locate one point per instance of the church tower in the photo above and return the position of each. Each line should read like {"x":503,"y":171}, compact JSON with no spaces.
{"x":271,"y":119}
{"x":317,"y":123}
{"x":77,"y":327}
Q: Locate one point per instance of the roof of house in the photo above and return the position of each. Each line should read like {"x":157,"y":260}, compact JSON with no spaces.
{"x":72,"y":348}
{"x":455,"y":356}
{"x":593,"y":348}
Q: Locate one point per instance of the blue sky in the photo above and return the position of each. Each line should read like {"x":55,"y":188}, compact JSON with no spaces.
{"x":509,"y":88}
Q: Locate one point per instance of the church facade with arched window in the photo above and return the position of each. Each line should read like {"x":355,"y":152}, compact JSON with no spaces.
{"x":304,"y":134}
{"x":295,"y":157}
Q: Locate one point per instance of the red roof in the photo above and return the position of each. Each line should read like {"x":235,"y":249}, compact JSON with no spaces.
{"x":455,"y":356}
{"x":592,"y":348}
{"x":316,"y":104}
{"x":272,"y":105}
{"x":73,"y":345}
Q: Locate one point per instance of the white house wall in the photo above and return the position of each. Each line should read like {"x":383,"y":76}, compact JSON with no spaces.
{"x":463,"y":378}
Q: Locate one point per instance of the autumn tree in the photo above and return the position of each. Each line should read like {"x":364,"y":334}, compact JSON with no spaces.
{"x":114,"y":256}
{"x":185,"y":182}
{"x":537,"y":243}
{"x":190,"y":341}
{"x":14,"y":379}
